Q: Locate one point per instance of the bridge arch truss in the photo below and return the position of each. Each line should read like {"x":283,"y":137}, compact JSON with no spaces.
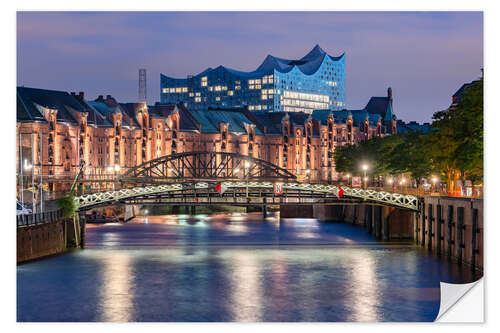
{"x":204,"y":166}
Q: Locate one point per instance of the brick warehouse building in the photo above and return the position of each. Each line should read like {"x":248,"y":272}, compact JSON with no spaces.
{"x":60,"y":129}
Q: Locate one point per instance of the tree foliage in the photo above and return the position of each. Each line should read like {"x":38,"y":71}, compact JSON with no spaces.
{"x":453,"y":147}
{"x":67,"y":204}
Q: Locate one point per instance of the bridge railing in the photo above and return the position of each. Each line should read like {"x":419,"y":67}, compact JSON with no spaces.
{"x":331,"y":191}
{"x":26,"y":220}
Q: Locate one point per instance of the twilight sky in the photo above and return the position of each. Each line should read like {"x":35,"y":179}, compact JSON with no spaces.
{"x":425,"y":57}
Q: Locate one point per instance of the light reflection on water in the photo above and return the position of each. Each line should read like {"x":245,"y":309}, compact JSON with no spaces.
{"x":234,"y":268}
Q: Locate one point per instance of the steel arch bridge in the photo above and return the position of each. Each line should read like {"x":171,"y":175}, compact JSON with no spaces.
{"x":204,"y":166}
{"x":191,"y":178}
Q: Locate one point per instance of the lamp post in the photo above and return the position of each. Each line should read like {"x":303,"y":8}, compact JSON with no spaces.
{"x":365,"y":178}
{"x":110,"y":171}
{"x":308,"y":175}
{"x":390,"y":181}
{"x":115,"y":175}
{"x":434,"y":181}
{"x":348,"y":179}
{"x":247,"y":167}
{"x":402,"y":182}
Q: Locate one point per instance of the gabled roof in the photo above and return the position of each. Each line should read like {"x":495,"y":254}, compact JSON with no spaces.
{"x":341,"y":116}
{"x":211,"y":119}
{"x":32,"y":101}
{"x":359,"y":116}
{"x":381,"y":106}
{"x":187,"y":122}
{"x":96,"y":118}
{"x":271,"y":121}
{"x":308,"y":65}
{"x":321,"y":115}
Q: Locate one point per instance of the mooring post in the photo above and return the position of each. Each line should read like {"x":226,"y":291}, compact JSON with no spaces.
{"x":429,"y":227}
{"x":439,"y":222}
{"x":422,"y":225}
{"x":449,"y":235}
{"x":475,"y":231}
{"x":460,"y":232}
{"x":83,"y":232}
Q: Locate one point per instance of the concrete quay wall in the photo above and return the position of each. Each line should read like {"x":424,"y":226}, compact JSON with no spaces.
{"x":41,"y":240}
{"x":453,"y":227}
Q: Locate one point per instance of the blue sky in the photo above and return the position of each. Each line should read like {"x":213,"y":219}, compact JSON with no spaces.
{"x":424,"y":57}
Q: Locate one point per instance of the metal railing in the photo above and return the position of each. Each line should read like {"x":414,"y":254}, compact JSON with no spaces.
{"x":26,"y":220}
{"x":383,"y":197}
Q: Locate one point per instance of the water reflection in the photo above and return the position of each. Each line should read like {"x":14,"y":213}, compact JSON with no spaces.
{"x":245,"y":287}
{"x":234,"y":268}
{"x":117,"y":281}
{"x":364,"y":297}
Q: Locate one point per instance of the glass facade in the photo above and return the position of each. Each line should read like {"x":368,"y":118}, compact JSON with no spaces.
{"x":314,"y":82}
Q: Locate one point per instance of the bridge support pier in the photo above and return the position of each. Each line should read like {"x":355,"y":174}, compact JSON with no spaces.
{"x":385,"y":224}
{"x":378,"y":222}
{"x":368,"y":219}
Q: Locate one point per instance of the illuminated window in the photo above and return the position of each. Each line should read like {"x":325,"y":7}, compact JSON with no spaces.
{"x":197,"y":99}
{"x":264,"y":96}
{"x":197,"y":94}
{"x":178,"y":90}
{"x":230,"y":93}
{"x":217,"y":98}
{"x":264,"y":80}
{"x":191,"y":94}
{"x":251,"y":81}
{"x":251,"y":86}
{"x":165,"y":90}
{"x":204,"y":81}
{"x":185,"y":89}
{"x":257,"y":81}
{"x":211,"y":88}
{"x":258,"y":85}
{"x":251,"y":107}
{"x":218,"y":88}
{"x":237,"y":82}
{"x":172,"y":90}
{"x":257,"y":107}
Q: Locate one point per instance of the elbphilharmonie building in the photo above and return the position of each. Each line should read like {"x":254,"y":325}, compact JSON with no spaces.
{"x":313,"y":82}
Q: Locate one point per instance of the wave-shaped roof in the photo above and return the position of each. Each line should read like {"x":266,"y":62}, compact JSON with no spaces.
{"x":308,"y":64}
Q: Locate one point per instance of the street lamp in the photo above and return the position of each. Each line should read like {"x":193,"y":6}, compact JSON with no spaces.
{"x":434,"y":181}
{"x":348,"y":179}
{"x":27,"y":165}
{"x":247,"y":166}
{"x":365,"y":168}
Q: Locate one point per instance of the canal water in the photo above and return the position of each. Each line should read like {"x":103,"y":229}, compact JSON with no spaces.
{"x":234,"y":267}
